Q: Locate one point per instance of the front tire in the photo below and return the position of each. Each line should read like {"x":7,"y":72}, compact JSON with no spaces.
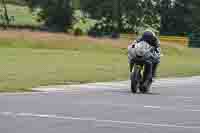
{"x":134,"y":80}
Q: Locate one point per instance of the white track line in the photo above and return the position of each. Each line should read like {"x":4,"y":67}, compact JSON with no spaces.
{"x":47,"y":116}
{"x":151,"y":107}
{"x":172,"y":109}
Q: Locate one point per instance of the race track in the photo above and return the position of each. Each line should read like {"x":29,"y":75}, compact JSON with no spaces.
{"x":172,"y":107}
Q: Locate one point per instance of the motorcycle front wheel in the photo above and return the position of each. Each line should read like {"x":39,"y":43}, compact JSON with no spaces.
{"x":135,"y":79}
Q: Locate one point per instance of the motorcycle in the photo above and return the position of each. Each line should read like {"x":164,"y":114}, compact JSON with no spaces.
{"x":138,"y":76}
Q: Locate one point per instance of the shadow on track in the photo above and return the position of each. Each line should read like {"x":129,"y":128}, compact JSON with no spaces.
{"x":128,"y":92}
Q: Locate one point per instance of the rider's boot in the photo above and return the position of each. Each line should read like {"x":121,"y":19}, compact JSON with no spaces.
{"x":154,"y":71}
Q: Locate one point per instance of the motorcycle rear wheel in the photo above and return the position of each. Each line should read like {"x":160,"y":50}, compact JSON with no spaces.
{"x":145,"y":88}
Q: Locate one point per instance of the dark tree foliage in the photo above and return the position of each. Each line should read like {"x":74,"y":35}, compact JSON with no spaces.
{"x":127,"y":14}
{"x":169,"y":16}
{"x":55,"y":13}
{"x":179,"y":16}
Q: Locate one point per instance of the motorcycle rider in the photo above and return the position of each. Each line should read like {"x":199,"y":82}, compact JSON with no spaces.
{"x":153,"y":61}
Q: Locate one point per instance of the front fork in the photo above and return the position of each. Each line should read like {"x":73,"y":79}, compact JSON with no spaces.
{"x":140,"y":69}
{"x":140,"y":75}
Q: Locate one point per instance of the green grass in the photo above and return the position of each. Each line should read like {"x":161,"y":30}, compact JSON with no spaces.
{"x":23,"y":68}
{"x":27,"y":63}
{"x":22,"y":15}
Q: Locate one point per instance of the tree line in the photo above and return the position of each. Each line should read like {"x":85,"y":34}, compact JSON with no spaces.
{"x":165,"y":16}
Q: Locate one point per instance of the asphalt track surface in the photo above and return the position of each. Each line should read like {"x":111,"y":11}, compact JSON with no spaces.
{"x":172,"y":107}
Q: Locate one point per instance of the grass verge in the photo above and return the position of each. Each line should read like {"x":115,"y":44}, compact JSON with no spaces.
{"x":44,"y":59}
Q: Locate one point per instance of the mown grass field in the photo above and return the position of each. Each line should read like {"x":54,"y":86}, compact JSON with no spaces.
{"x":22,"y":15}
{"x":32,"y":59}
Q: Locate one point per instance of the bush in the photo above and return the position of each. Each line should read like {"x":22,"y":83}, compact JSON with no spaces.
{"x":82,"y":24}
{"x":104,"y":25}
{"x":78,"y":32}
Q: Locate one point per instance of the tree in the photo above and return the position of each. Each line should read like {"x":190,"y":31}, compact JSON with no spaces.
{"x":179,"y":16}
{"x":149,"y":15}
{"x":189,"y":11}
{"x":195,"y":15}
{"x":126,"y":15}
{"x":104,"y":11}
{"x":16,"y":2}
{"x":5,"y":16}
{"x":131,"y":14}
{"x":76,"y":4}
{"x":55,"y":13}
{"x":167,"y":17}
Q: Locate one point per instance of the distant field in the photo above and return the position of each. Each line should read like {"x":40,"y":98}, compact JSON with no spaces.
{"x":167,"y":39}
{"x":31,"y":59}
{"x":22,"y":15}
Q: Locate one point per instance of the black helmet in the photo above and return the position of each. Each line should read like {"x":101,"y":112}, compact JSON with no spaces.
{"x":148,"y":36}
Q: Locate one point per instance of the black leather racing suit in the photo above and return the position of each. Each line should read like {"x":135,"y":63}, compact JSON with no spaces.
{"x":155,"y":42}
